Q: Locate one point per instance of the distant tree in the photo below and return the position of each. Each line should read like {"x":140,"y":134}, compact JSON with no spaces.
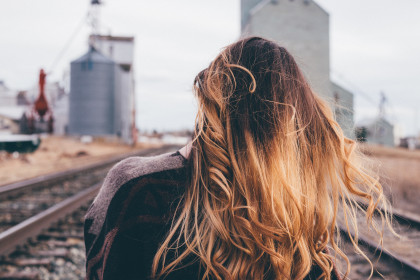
{"x":361,"y":134}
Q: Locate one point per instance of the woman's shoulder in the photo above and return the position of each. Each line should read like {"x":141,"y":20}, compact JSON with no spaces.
{"x":135,"y":167}
{"x":131,"y":171}
{"x":128,"y":217}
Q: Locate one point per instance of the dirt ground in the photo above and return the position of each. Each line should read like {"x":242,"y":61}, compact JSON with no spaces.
{"x":400,"y":175}
{"x":56,"y":154}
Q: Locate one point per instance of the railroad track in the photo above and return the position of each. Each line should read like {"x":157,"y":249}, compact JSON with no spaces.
{"x":28,"y":228}
{"x":21,"y":200}
{"x":17,"y":188}
{"x":57,"y":253}
{"x":401,"y":254}
{"x":17,"y":234}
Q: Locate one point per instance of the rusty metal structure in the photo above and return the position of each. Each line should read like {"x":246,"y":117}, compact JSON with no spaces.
{"x":39,"y":117}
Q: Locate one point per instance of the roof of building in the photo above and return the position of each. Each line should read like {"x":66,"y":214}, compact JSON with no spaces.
{"x":371,"y":121}
{"x":94,"y":56}
{"x":12,"y":112}
{"x":113,"y":38}
{"x":5,"y":91}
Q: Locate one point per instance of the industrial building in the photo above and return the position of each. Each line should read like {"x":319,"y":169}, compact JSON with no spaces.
{"x":8,"y":97}
{"x":12,"y":108}
{"x":376,"y":130}
{"x":18,"y":109}
{"x":101,"y":99}
{"x":10,"y":119}
{"x":302,"y":27}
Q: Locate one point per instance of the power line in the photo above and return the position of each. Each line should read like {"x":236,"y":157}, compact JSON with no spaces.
{"x":367,"y":97}
{"x":355,"y":87}
{"x":68,"y":43}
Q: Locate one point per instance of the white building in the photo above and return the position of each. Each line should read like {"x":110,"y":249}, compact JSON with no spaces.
{"x":10,"y":110}
{"x":10,"y":117}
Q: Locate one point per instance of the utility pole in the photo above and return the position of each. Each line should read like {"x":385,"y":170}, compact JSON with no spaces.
{"x":382,"y":105}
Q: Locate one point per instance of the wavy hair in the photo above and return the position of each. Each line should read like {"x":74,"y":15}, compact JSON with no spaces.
{"x":270,"y":172}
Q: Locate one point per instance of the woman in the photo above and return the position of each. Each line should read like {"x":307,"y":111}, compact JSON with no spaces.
{"x":257,"y":193}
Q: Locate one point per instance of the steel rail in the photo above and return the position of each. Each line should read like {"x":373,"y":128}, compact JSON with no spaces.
{"x":406,"y":217}
{"x":400,"y":215}
{"x":411,"y":219}
{"x":18,"y":234}
{"x":31,"y":227}
{"x":40,"y":181}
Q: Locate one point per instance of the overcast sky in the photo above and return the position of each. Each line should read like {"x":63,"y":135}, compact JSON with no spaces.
{"x":374,"y":47}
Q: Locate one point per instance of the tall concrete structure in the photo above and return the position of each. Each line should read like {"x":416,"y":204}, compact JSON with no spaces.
{"x":92,"y":95}
{"x":302,"y":27}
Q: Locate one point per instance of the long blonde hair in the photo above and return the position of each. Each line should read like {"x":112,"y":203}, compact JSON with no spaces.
{"x":270,"y":169}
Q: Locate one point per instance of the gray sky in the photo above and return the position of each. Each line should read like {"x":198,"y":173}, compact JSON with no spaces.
{"x":374,"y":47}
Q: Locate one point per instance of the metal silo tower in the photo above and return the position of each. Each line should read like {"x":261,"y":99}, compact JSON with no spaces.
{"x":92,"y":95}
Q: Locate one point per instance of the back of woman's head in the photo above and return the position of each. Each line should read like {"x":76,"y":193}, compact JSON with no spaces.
{"x":270,"y":170}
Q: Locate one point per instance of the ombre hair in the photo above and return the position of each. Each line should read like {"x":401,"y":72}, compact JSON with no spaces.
{"x":271,"y":171}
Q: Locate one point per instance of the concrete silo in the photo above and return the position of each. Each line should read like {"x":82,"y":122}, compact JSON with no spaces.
{"x":92,"y":95}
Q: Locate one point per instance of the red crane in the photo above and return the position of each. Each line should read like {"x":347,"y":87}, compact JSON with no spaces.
{"x":39,"y":118}
{"x":41,"y":104}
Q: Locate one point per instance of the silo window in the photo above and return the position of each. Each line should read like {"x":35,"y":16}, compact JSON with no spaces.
{"x":87,"y":65}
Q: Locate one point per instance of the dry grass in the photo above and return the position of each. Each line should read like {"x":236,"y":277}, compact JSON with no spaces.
{"x":375,"y":150}
{"x":400,"y":174}
{"x":56,"y":154}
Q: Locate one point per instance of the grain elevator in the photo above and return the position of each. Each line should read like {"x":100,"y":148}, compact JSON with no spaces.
{"x":102,"y":89}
